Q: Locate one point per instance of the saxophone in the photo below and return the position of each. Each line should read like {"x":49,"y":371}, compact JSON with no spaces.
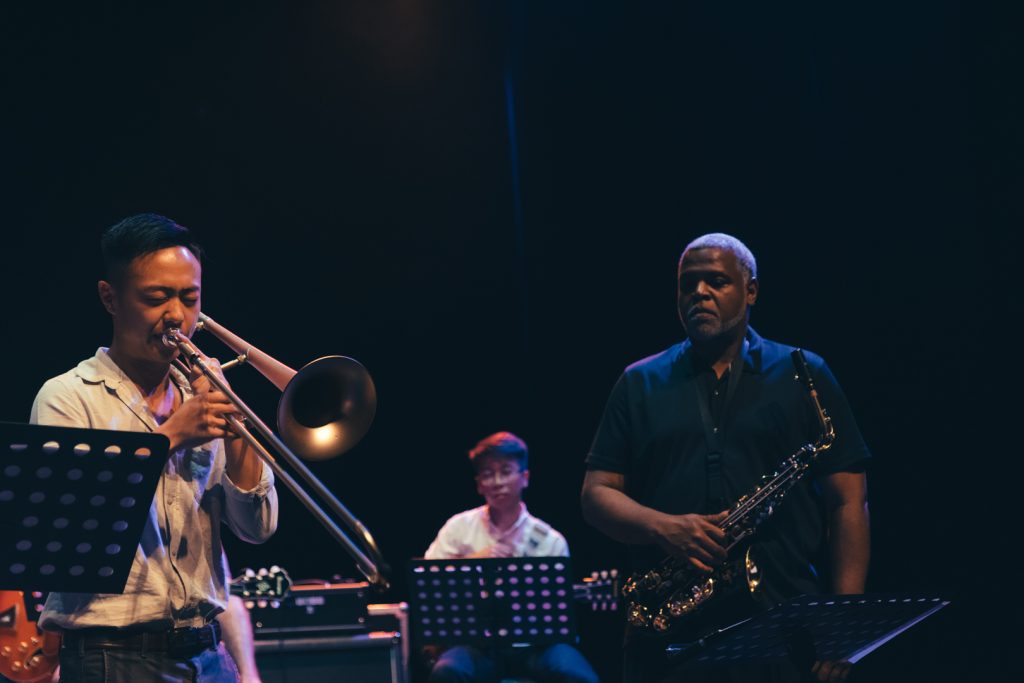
{"x":658,"y":599}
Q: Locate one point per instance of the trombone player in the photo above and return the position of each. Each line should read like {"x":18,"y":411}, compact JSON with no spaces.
{"x":164,"y":626}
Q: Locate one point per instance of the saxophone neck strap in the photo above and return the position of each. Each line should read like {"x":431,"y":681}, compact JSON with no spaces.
{"x":713,"y":433}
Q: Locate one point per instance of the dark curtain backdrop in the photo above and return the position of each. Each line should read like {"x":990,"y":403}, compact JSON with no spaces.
{"x":484,"y":203}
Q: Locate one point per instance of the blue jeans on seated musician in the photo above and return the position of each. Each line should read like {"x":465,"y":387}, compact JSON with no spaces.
{"x":559,"y":663}
{"x":97,"y":665}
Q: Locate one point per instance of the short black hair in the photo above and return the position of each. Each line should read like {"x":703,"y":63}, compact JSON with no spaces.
{"x":138,"y":235}
{"x":500,"y":445}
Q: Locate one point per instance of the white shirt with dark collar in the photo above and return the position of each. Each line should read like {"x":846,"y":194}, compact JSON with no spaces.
{"x":471,"y":531}
{"x":178,"y":577}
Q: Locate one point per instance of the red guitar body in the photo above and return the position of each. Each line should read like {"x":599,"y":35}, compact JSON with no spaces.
{"x":27,"y":655}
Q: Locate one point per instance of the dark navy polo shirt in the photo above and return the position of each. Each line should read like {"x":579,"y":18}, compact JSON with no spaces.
{"x":652,"y":433}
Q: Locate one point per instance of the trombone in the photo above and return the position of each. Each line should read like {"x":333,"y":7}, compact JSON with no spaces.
{"x":325,"y":409}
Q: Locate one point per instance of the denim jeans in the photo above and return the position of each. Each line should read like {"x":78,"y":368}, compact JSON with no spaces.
{"x":135,"y":666}
{"x":559,"y":663}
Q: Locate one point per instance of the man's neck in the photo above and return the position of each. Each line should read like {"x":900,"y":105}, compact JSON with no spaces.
{"x":720,"y":353}
{"x":151,"y":378}
{"x":504,"y":517}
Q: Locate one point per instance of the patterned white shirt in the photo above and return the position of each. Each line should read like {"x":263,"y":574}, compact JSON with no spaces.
{"x":178,"y":577}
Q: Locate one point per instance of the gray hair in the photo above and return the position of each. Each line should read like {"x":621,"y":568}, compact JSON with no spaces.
{"x":719,"y":240}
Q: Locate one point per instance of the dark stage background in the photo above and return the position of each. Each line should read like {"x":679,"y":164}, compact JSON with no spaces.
{"x":484,"y":203}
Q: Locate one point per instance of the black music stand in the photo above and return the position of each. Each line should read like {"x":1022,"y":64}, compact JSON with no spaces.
{"x":492,"y":603}
{"x":810,"y":628}
{"x":73,"y":503}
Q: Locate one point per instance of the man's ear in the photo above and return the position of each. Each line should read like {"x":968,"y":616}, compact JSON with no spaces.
{"x":753,"y":287}
{"x":106,"y":292}
{"x":526,"y":479}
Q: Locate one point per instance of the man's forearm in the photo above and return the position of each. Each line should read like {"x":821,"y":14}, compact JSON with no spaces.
{"x":617,"y":515}
{"x":849,"y":547}
{"x":243,"y":465}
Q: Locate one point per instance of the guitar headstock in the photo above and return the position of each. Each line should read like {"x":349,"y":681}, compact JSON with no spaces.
{"x":600,"y":590}
{"x":265,"y":584}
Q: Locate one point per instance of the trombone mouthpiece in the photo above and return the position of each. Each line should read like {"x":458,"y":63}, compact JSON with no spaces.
{"x":170,"y":338}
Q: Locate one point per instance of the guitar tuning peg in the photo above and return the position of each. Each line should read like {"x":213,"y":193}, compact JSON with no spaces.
{"x":249,"y":604}
{"x":274,"y":604}
{"x":262,"y":604}
{"x":248,"y":573}
{"x":274,"y":569}
{"x":594,"y":574}
{"x":614,"y":573}
{"x":262,"y":571}
{"x":604,"y":573}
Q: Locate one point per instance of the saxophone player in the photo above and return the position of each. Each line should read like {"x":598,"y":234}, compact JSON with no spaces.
{"x":688,"y":431}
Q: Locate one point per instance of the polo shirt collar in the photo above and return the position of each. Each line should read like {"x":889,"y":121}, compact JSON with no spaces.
{"x":752,"y":353}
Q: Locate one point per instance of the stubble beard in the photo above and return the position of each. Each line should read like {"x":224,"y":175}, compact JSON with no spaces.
{"x":714,"y":329}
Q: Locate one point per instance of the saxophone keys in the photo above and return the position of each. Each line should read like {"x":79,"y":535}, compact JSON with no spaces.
{"x":662,"y":622}
{"x":638,"y":616}
{"x":753,"y":572}
{"x":651,"y":579}
{"x":703,"y":591}
{"x":678,"y":608}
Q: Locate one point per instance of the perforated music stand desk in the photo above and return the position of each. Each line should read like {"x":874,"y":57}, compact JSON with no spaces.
{"x":493,"y":602}
{"x":812,"y":628}
{"x":73,"y":503}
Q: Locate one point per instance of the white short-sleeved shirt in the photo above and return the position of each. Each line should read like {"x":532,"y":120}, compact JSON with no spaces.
{"x":471,"y":531}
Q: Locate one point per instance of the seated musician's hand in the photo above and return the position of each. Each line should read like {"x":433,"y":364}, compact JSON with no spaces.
{"x":198,"y":420}
{"x":502,"y":549}
{"x":697,"y":538}
{"x":831,"y":671}
{"x":499,"y":549}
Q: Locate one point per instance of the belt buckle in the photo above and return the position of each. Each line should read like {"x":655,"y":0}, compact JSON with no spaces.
{"x":187,"y":641}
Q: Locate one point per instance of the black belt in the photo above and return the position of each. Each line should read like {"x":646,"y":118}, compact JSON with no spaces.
{"x":179,"y":642}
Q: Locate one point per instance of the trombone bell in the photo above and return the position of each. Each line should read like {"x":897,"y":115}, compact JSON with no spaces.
{"x":327,"y":407}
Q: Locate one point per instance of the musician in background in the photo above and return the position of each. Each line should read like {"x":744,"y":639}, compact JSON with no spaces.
{"x":164,"y":625}
{"x":236,"y":633}
{"x":688,"y":431}
{"x":502,"y":527}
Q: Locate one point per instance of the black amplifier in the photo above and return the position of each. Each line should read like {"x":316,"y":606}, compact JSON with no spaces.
{"x":374,"y":657}
{"x":311,"y":609}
